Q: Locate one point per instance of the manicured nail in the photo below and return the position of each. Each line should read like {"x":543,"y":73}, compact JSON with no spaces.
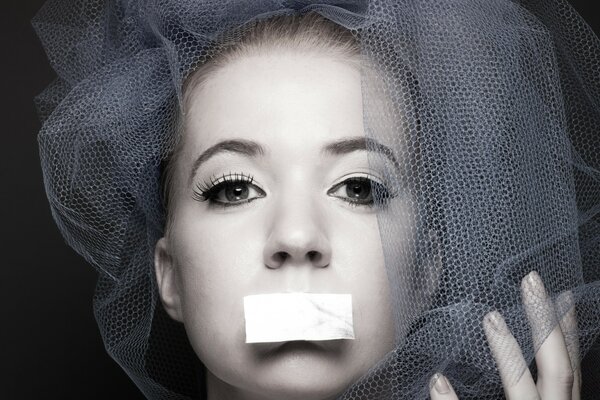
{"x":565,"y":300}
{"x":534,"y":283}
{"x":441,"y":384}
{"x":496,"y":322}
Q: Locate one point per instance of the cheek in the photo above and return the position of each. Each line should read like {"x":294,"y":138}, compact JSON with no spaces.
{"x":361,"y":263}
{"x":217,"y":264}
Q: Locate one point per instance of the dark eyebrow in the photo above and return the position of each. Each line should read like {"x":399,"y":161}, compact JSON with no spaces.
{"x":346,"y":146}
{"x":240,"y":146}
{"x":252,"y":149}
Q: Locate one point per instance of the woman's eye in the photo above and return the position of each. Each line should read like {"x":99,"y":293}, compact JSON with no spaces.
{"x":236,"y":192}
{"x":229,"y":192}
{"x":361,"y":191}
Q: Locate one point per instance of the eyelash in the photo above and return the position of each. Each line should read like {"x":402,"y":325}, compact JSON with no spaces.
{"x":210,"y":191}
{"x":381,"y":201}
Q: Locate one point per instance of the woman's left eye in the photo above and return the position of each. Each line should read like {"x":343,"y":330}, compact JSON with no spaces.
{"x":362,"y":191}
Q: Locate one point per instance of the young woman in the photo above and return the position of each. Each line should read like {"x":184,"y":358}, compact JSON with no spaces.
{"x":307,"y":150}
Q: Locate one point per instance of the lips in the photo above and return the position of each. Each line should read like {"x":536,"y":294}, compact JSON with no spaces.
{"x":300,"y":347}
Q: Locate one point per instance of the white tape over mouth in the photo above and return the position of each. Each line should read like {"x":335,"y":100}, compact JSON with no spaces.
{"x":283,"y":317}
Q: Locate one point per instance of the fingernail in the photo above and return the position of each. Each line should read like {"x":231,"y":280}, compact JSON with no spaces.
{"x":441,"y":384}
{"x":565,"y":299}
{"x":565,"y":303}
{"x":533,"y":281}
{"x":495,"y":320}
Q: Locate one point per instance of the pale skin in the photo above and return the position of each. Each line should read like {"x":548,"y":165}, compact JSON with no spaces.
{"x":299,"y":232}
{"x":294,"y":228}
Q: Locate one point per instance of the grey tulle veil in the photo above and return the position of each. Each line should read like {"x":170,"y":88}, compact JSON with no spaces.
{"x":494,"y":109}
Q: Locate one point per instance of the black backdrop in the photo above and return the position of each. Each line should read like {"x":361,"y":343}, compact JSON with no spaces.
{"x":50,"y":347}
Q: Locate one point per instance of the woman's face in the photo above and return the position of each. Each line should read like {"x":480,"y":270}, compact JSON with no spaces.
{"x":293,"y":125}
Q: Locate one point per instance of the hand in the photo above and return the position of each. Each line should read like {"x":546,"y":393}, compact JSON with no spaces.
{"x":556,"y":378}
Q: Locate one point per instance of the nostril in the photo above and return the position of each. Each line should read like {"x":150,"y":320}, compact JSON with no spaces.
{"x":280,"y":257}
{"x":314,"y":256}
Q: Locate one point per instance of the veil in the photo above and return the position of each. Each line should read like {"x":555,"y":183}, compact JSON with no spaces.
{"x":493,"y":109}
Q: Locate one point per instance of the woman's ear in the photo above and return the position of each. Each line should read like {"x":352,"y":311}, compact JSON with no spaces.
{"x":167,"y":280}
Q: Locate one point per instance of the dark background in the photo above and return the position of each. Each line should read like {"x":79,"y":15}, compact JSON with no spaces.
{"x":50,"y":346}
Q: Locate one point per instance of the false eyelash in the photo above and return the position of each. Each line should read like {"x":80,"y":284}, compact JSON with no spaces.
{"x":375,"y":183}
{"x":205,"y":191}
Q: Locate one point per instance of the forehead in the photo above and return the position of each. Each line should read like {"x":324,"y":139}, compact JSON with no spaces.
{"x":283,"y":100}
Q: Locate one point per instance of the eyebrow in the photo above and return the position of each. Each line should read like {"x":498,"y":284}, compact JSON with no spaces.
{"x":348,"y":145}
{"x":239,"y":146}
{"x":250,"y":148}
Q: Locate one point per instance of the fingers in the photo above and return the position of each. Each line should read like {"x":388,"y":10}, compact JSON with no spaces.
{"x":555,"y":375}
{"x":568,"y":325}
{"x":559,"y":378}
{"x":440,"y":388}
{"x":514,"y":373}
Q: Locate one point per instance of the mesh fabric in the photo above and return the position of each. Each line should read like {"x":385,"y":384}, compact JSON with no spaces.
{"x":493,"y":113}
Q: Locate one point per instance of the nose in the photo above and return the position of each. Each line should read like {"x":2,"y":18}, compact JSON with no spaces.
{"x":297,"y":237}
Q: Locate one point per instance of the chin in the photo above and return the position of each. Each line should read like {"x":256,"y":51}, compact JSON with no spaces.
{"x":307,"y":386}
{"x":303,"y":370}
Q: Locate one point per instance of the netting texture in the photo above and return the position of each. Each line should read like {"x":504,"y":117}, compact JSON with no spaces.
{"x":492,"y":109}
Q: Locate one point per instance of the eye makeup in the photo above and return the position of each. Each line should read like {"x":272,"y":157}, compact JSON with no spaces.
{"x":235,"y":189}
{"x":228,"y":190}
{"x":362,"y":189}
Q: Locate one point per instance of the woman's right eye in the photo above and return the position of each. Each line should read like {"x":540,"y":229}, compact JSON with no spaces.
{"x":229,"y":190}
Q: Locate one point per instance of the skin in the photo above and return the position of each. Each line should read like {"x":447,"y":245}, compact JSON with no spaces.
{"x":300,"y":235}
{"x":297,"y":235}
{"x":557,"y":380}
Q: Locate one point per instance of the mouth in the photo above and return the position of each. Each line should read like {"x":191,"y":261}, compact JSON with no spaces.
{"x":300,"y":347}
{"x":291,"y":317}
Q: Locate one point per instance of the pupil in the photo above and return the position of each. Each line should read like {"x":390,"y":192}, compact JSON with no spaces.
{"x":238,"y":192}
{"x":359,"y":190}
